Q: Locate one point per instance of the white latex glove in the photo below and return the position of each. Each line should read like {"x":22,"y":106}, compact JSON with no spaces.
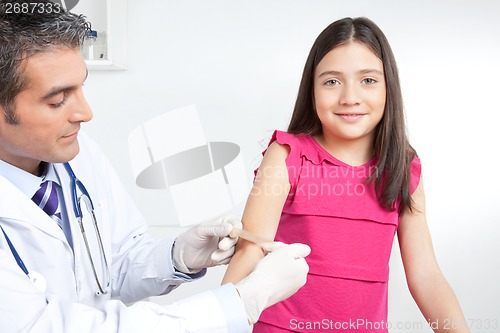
{"x":205,"y":245}
{"x":276,"y":277}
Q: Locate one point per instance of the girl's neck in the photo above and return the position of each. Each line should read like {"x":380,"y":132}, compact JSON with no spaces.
{"x":353,"y":152}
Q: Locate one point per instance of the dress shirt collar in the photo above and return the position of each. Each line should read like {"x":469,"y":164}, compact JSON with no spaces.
{"x":25,"y":181}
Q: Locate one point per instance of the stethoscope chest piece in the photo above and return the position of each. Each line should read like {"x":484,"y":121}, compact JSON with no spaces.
{"x":38,"y":280}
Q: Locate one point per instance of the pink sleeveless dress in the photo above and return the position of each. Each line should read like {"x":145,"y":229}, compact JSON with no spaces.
{"x":331,"y":209}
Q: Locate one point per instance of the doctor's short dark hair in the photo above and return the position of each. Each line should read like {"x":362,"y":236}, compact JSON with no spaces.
{"x":24,"y":33}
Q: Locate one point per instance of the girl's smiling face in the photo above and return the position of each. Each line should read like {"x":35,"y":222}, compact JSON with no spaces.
{"x":350,"y":93}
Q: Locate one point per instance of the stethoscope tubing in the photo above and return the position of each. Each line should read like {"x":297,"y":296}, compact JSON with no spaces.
{"x":74,"y":183}
{"x":79,"y":216}
{"x":15,"y":254}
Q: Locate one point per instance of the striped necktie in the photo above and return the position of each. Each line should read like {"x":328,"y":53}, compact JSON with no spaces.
{"x":46,"y":198}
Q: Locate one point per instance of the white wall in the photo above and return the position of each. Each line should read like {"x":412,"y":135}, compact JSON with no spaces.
{"x":240,"y":63}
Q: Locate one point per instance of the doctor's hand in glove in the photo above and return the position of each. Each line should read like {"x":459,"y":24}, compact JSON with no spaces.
{"x":276,"y":277}
{"x":205,"y":245}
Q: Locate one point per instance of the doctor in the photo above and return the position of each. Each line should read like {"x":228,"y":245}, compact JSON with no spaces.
{"x":84,"y":262}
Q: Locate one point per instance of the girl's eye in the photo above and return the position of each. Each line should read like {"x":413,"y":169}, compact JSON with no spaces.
{"x":369,"y":80}
{"x":332,"y":82}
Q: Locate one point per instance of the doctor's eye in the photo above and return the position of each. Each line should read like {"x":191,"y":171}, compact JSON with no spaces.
{"x":61,"y":103}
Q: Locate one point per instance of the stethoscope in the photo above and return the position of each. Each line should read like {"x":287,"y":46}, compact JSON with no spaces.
{"x":102,"y":285}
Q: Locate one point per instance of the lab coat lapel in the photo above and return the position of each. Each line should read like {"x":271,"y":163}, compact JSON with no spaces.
{"x":65,"y":183}
{"x":16,"y":206}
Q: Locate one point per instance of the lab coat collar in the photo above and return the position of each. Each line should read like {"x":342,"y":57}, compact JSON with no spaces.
{"x":18,"y":208}
{"x":59,"y":172}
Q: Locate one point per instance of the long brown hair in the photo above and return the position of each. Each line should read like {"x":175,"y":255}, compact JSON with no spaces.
{"x":392,"y":148}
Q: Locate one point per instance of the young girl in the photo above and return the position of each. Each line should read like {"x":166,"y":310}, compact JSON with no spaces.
{"x":343,"y":179}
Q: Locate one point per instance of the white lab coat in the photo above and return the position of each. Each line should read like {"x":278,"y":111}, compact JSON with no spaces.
{"x":140,"y":267}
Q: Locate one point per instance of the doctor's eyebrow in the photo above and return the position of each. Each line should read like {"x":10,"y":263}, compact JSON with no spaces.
{"x":57,"y":90}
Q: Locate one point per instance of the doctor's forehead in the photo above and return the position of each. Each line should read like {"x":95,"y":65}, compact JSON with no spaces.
{"x":57,"y":67}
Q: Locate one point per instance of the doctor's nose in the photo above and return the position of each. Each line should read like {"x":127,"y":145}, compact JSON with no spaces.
{"x":349,"y":95}
{"x":81,"y":111}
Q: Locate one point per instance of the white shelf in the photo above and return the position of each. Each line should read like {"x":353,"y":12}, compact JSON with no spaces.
{"x":104,"y":65}
{"x":109,"y":18}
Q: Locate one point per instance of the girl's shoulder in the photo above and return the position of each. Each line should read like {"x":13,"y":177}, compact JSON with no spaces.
{"x":297,"y":144}
{"x":285,"y":138}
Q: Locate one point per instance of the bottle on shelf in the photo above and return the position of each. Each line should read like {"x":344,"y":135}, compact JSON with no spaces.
{"x":94,"y":46}
{"x":89,"y":43}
